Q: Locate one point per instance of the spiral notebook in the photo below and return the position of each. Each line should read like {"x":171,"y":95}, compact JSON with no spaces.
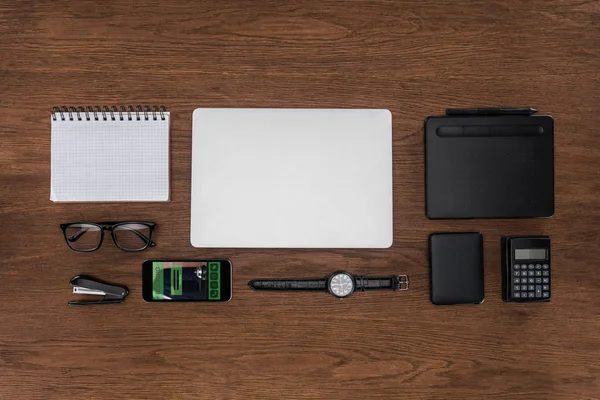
{"x":102,"y":154}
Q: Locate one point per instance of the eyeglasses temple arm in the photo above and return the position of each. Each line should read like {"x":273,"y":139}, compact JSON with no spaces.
{"x":77,"y":235}
{"x":140,"y":235}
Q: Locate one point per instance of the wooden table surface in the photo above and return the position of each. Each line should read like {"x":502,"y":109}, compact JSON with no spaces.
{"x":414,"y":58}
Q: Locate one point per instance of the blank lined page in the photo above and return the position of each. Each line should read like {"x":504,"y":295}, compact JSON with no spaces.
{"x":94,"y":161}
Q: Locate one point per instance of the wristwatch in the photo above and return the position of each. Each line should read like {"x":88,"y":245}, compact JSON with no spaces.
{"x":341,"y":284}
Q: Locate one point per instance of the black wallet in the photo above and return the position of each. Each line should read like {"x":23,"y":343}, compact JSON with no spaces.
{"x":456,"y":261}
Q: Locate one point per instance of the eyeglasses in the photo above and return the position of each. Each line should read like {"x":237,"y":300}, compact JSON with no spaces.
{"x":127,"y":236}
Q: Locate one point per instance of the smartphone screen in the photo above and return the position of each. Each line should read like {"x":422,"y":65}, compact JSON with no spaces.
{"x":186,"y":280}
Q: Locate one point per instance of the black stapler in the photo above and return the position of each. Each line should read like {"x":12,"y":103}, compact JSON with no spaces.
{"x":87,"y":285}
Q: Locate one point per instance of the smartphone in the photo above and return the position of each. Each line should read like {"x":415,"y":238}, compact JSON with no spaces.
{"x":186,"y":280}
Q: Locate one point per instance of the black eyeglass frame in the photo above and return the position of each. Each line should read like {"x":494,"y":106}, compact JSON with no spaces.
{"x":110,"y":226}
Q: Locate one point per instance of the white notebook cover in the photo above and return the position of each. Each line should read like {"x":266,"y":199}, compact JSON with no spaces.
{"x":105,"y":160}
{"x":292,"y":178}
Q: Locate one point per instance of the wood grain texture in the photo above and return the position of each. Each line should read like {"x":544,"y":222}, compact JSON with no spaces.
{"x":414,"y":58}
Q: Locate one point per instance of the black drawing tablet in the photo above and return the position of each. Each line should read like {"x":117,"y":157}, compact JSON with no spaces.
{"x":489,"y":166}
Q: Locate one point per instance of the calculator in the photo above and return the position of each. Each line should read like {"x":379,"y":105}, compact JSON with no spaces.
{"x":526,"y":268}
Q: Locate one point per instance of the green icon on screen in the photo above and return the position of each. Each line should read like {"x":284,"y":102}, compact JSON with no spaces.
{"x":176,"y":280}
{"x":157,"y":281}
{"x":214,"y":280}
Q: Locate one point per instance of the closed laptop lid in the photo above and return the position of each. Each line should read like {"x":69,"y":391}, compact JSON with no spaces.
{"x":291,"y":178}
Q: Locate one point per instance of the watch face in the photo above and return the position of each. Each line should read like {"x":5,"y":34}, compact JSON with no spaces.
{"x":341,"y":284}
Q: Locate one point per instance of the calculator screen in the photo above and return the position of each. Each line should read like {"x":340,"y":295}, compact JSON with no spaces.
{"x":530,"y":254}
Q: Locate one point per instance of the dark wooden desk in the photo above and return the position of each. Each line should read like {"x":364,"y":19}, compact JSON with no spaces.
{"x":414,"y":58}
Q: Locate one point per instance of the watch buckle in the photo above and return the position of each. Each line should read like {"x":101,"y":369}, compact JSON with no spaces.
{"x":401,"y":282}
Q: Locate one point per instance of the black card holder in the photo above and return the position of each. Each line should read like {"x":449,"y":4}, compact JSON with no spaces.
{"x":456,"y":262}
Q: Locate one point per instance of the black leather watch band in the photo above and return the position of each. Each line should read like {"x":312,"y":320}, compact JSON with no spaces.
{"x":289,"y":284}
{"x":366,"y":283}
{"x":395,"y":282}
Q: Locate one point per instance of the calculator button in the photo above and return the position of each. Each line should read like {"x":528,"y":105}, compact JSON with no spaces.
{"x":538,"y":280}
{"x":523,"y":280}
{"x":518,"y":280}
{"x":531,"y":287}
{"x":530,"y":273}
{"x":545,"y":273}
{"x":545,"y":280}
{"x":530,"y":266}
{"x":538,"y":273}
{"x":517,"y":273}
{"x":517,"y":295}
{"x":516,"y":288}
{"x":545,"y":266}
{"x":545,"y":288}
{"x":545,"y":295}
{"x":538,"y":266}
{"x":516,"y":266}
{"x":538,"y":291}
{"x":524,"y":266}
{"x":531,"y":280}
{"x":523,"y":287}
{"x":531,"y":295}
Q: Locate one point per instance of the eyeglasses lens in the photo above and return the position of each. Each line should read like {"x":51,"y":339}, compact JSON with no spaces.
{"x":132,"y":237}
{"x":83,"y":237}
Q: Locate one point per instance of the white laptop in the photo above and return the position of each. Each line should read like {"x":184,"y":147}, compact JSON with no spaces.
{"x":291,"y":178}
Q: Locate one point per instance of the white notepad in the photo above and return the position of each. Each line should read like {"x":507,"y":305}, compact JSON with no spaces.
{"x":292,"y":178}
{"x":110,"y":155}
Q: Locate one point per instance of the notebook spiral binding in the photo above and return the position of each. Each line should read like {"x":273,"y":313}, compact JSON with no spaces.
{"x":105,"y":113}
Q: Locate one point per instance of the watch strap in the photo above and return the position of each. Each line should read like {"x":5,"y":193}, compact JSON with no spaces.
{"x":395,"y":282}
{"x":289,"y":284}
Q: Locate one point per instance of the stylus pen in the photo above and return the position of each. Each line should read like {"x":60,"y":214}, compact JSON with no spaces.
{"x":491,"y":111}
